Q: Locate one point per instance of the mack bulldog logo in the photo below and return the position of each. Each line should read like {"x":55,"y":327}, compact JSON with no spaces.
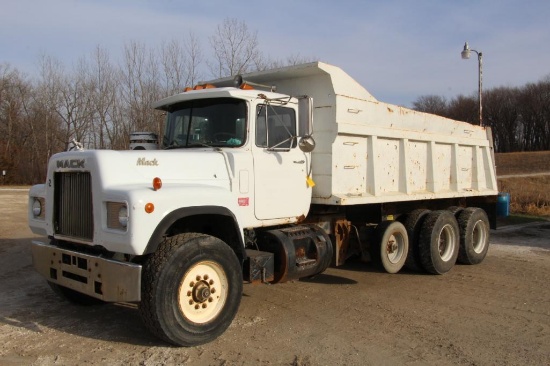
{"x":145,"y":162}
{"x":71,"y":163}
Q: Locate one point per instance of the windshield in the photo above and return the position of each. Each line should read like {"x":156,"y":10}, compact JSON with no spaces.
{"x":217,"y":122}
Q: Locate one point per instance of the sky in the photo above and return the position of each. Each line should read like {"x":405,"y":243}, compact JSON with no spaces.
{"x":398,"y":50}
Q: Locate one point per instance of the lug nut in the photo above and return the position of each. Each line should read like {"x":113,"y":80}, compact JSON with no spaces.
{"x":190,"y":302}
{"x":192,"y":284}
{"x":213,"y":290}
{"x":189,"y":293}
{"x":198,"y":278}
{"x":204,"y":306}
{"x":197,"y":307}
{"x":210,"y":299}
{"x":211,"y":282}
{"x":205,"y":277}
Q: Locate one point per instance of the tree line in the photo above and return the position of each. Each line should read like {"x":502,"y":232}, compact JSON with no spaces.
{"x":518,"y":116}
{"x":99,"y":102}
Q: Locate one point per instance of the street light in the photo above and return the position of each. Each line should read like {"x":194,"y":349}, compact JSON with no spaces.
{"x":466,"y":55}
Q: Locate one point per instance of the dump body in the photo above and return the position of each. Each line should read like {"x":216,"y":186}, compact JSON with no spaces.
{"x":373,"y":152}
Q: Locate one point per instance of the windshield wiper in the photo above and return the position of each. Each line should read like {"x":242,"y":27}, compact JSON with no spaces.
{"x":202,"y":144}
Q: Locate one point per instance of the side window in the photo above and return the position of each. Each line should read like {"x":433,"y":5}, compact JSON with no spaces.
{"x":275,"y":127}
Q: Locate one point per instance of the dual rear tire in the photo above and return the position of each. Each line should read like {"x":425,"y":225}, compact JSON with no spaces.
{"x":439,"y":242}
{"x":435,"y":240}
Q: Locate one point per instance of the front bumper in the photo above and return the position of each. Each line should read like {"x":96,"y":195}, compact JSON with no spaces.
{"x":105,"y":279}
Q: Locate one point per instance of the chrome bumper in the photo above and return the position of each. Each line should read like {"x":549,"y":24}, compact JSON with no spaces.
{"x":102,"y":278}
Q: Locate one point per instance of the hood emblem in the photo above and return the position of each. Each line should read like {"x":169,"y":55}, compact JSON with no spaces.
{"x":145,"y":162}
{"x":71,"y":163}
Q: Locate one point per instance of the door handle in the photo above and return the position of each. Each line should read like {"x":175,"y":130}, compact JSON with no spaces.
{"x":299,"y":161}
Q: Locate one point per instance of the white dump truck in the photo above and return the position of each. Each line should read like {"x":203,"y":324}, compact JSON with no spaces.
{"x":262,"y":178}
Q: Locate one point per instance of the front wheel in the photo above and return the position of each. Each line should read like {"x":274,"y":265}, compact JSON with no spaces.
{"x":191,"y":289}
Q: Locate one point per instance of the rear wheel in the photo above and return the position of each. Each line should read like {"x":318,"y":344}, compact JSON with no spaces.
{"x":438,"y":243}
{"x":413,"y":223}
{"x":393,"y":245}
{"x":474,"y":235}
{"x":191,"y":289}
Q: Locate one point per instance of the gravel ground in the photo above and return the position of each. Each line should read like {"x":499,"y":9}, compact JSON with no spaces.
{"x":495,"y":313}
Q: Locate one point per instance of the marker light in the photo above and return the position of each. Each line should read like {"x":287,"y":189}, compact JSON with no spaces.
{"x":245,"y":86}
{"x":149,"y":207}
{"x":157,"y":183}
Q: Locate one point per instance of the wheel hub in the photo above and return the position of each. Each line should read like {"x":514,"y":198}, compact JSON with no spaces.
{"x":201,"y":292}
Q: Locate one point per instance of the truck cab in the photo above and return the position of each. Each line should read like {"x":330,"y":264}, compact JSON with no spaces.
{"x":257,"y":133}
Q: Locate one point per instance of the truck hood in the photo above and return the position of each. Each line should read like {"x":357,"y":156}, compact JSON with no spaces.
{"x":115,"y":168}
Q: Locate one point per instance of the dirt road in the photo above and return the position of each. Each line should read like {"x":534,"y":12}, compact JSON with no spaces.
{"x":496,"y":313}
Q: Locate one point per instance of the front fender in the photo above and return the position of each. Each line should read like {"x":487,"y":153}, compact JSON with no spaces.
{"x":183,"y":212}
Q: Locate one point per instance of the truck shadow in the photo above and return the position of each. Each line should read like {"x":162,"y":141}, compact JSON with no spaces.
{"x":28,"y":303}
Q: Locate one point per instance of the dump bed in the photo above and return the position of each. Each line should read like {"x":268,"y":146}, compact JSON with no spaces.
{"x":372,"y":152}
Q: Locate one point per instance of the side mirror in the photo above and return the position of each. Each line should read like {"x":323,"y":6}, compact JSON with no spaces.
{"x":306,"y":144}
{"x":305,"y":115}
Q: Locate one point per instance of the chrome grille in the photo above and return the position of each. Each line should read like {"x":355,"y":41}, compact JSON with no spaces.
{"x":73,"y":205}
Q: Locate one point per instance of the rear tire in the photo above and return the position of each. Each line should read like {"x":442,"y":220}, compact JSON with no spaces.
{"x":392,"y":245}
{"x":191,"y":289}
{"x":455,"y":210}
{"x":439,"y":241}
{"x":73,"y":296}
{"x":474,"y":235}
{"x":413,"y":223}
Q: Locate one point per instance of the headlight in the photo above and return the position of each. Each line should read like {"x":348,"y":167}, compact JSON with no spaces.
{"x":38,"y":207}
{"x":123,"y":216}
{"x":117,"y":215}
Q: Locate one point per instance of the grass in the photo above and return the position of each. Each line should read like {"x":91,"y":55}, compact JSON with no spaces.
{"x":528,"y":195}
{"x":523,"y":162}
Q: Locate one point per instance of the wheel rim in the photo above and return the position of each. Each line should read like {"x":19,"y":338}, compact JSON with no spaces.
{"x":446,"y":242}
{"x":203,"y":292}
{"x":479,"y":236}
{"x":394,"y":248}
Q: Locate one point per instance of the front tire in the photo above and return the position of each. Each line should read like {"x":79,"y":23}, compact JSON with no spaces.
{"x":191,"y":289}
{"x":439,"y":240}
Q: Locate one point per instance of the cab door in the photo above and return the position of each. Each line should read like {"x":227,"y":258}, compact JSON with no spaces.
{"x":280,"y":167}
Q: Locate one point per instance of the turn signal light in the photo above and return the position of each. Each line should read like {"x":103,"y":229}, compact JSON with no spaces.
{"x":149,"y":207}
{"x":157,"y":183}
{"x":246,"y":86}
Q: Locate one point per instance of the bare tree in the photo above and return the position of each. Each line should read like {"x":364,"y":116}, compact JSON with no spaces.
{"x":139,"y":88}
{"x":180,"y":63}
{"x":431,"y":104}
{"x":235,"y":48}
{"x":103,"y":80}
{"x":194,"y":59}
{"x":501,"y":114}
